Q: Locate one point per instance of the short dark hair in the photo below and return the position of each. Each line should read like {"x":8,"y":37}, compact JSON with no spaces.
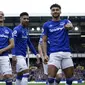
{"x":55,"y":5}
{"x":24,"y":13}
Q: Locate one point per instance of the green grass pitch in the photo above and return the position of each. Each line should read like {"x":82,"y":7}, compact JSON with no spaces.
{"x":59,"y":84}
{"x":43,"y":84}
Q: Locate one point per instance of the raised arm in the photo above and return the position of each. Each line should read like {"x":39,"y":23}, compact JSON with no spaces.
{"x":69,"y":25}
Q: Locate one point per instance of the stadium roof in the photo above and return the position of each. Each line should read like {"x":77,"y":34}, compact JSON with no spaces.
{"x":41,"y":7}
{"x":46,"y":14}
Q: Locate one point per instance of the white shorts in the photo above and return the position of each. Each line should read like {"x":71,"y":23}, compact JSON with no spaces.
{"x":59,"y":71}
{"x":21,"y":63}
{"x":5,"y":65}
{"x":61,"y":59}
{"x":45,"y":67}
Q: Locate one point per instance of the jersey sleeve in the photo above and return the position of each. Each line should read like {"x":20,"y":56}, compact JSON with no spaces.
{"x":10,"y":34}
{"x":67,"y":21}
{"x":31,"y":45}
{"x":44,"y":29}
{"x":15,"y":32}
{"x":40,"y":40}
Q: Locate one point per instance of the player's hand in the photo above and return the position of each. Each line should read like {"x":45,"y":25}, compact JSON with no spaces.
{"x":69,"y":26}
{"x":45,"y":59}
{"x":38,"y":59}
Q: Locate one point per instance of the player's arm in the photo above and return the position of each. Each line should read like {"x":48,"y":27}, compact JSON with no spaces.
{"x":9,"y":47}
{"x":11,"y":43}
{"x":69,"y":25}
{"x":44,"y":39}
{"x":16,"y":33}
{"x":33,"y":49}
{"x":14,"y":59}
{"x":44,"y":45}
{"x":44,"y":42}
{"x":40,"y":49}
{"x":31,"y":46}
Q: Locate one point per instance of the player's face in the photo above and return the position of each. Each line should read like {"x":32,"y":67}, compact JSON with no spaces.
{"x":25,"y":20}
{"x":1,"y":16}
{"x":55,"y":12}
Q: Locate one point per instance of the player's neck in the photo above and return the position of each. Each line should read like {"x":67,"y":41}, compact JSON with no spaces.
{"x":2,"y":24}
{"x":23,"y":25}
{"x":56,"y":19}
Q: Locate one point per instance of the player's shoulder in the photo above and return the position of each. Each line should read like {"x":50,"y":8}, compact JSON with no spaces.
{"x":47,"y":23}
{"x":7,"y":28}
{"x":66,"y":20}
{"x":18,"y":27}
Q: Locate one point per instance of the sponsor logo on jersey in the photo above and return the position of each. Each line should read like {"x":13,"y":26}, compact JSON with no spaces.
{"x":2,"y":35}
{"x":56,"y":29}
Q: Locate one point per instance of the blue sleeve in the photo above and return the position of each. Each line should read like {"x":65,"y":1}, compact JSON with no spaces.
{"x":44,"y":30}
{"x":15,"y":34}
{"x":10,"y":34}
{"x":67,"y":21}
{"x":31,"y":46}
{"x":14,"y":50}
{"x":40,"y":40}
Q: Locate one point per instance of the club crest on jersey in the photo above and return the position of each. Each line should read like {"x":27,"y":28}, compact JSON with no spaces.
{"x":50,"y":25}
{"x":6,"y":31}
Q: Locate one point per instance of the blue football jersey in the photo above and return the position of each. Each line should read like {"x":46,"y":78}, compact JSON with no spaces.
{"x":58,"y":35}
{"x":21,"y":40}
{"x":5,"y":36}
